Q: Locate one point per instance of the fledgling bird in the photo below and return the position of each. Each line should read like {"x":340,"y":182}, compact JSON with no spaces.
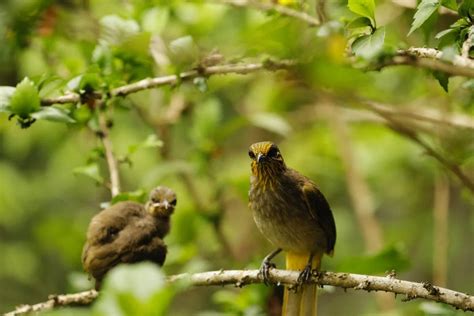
{"x":128,"y":232}
{"x":294,"y":216}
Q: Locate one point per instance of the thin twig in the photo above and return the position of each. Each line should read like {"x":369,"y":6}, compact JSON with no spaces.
{"x":149,"y":83}
{"x":416,"y":115}
{"x":428,"y":115}
{"x":269,"y":7}
{"x":112,"y":163}
{"x":239,"y":278}
{"x":413,"y":136}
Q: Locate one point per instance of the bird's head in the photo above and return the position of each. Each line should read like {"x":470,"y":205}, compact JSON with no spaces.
{"x":266,"y":159}
{"x":161,"y":202}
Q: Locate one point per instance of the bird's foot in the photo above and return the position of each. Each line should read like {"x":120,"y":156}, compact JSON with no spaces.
{"x":305,"y":275}
{"x":265,"y":271}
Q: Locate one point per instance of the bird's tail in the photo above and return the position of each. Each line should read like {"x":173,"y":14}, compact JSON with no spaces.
{"x":303,"y":302}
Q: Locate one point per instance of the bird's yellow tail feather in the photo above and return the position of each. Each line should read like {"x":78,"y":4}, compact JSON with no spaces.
{"x":304,"y":301}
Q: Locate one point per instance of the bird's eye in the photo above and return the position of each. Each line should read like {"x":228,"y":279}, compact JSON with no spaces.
{"x":273,"y":152}
{"x":251,"y":154}
{"x":173,"y":202}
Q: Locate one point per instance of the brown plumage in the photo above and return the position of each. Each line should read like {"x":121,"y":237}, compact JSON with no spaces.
{"x":128,"y":232}
{"x":294,"y":216}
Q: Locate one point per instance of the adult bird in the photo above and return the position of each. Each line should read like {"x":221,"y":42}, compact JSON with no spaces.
{"x":294,"y":216}
{"x":128,"y":232}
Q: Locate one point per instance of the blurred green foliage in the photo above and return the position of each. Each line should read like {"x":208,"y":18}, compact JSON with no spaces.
{"x":194,"y":136}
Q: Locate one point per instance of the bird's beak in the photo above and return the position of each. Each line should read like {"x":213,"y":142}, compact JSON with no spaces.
{"x":166,"y":204}
{"x":260,"y":157}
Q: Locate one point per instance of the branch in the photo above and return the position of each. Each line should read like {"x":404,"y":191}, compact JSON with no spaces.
{"x":412,"y":135}
{"x":431,"y":58}
{"x":76,"y":299}
{"x":112,"y":163}
{"x":269,"y":7}
{"x":239,"y":278}
{"x":241,"y":69}
{"x":427,"y":115}
{"x":453,"y":167}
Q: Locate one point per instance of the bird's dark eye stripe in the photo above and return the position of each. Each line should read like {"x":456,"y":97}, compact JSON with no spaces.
{"x":251,"y":154}
{"x":173,"y":202}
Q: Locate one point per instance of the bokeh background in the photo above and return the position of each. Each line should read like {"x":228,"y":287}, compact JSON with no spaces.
{"x":396,"y":208}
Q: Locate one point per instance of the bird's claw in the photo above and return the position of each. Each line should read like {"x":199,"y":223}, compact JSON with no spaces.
{"x":265,"y":271}
{"x":305,"y":275}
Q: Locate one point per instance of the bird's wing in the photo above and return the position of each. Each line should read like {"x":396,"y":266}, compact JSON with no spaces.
{"x":320,"y":210}
{"x":107,"y":224}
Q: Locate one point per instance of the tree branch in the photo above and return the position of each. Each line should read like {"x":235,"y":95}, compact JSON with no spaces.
{"x":413,"y":136}
{"x":82,"y":298}
{"x":112,"y":163}
{"x":149,"y":83}
{"x":239,"y":278}
{"x":431,"y":58}
{"x":269,"y":7}
{"x":427,"y":115}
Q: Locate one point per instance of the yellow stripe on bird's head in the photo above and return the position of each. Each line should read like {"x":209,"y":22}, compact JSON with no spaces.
{"x":266,"y":158}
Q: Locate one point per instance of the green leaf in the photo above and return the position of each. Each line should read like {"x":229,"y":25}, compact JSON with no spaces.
{"x":151,"y":141}
{"x":142,"y":280}
{"x":366,"y":8}
{"x":200,"y":83}
{"x":82,"y":114}
{"x":359,"y":27}
{"x":369,"y":46}
{"x":155,"y":20}
{"x":54,"y":114}
{"x":450,"y":4}
{"x":445,"y":32}
{"x":25,"y":99}
{"x":115,"y":30}
{"x":90,"y":82}
{"x":5,"y":96}
{"x":442,"y":78}
{"x":138,"y":289}
{"x":91,"y":171}
{"x":86,"y":82}
{"x":184,"y":51}
{"x":137,"y":196}
{"x":359,"y":22}
{"x":271,"y":122}
{"x":466,"y":9}
{"x":424,"y":11}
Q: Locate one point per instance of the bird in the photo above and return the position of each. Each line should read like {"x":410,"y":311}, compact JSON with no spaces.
{"x":128,"y":232}
{"x":292,"y":213}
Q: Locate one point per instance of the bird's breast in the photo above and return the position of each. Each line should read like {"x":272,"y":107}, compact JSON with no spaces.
{"x":281,"y":214}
